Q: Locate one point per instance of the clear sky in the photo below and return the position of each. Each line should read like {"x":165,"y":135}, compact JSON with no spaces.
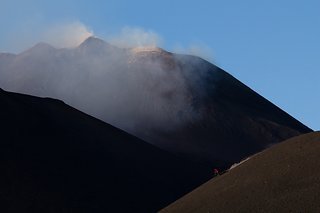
{"x":273,"y":46}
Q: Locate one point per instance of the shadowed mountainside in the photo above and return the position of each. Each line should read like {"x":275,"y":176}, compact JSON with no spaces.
{"x":54,"y":158}
{"x":284,"y":178}
{"x":180,"y":103}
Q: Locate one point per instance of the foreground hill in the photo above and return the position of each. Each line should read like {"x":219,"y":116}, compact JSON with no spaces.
{"x":180,"y":103}
{"x":284,"y":178}
{"x":54,"y":158}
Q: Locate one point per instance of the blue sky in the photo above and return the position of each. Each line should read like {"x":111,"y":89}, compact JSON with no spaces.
{"x":272,"y":46}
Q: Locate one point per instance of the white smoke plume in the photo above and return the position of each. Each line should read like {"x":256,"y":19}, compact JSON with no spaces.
{"x":60,"y":35}
{"x":135,"y":37}
{"x":197,"y":49}
{"x":66,"y":35}
{"x":138,"y":91}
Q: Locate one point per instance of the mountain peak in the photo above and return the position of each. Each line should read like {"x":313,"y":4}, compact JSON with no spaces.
{"x":93,"y":41}
{"x":94,"y":45}
{"x":40,"y":48}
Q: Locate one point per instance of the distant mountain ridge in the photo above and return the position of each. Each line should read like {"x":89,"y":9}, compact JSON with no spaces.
{"x":180,"y":103}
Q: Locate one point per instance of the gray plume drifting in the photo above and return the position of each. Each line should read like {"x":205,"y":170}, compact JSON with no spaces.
{"x":180,"y":103}
{"x":138,"y":88}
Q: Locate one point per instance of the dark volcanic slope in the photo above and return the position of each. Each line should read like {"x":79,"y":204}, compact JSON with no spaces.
{"x":180,"y":103}
{"x":54,"y":158}
{"x":234,"y":121}
{"x":284,"y":178}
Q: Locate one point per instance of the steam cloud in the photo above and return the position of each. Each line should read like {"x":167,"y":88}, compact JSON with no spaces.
{"x":135,"y":37}
{"x":138,"y":91}
{"x":72,"y":34}
{"x":200,"y":50}
{"x":66,"y":35}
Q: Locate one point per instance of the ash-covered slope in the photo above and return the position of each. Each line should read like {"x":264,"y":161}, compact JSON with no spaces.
{"x":54,"y":158}
{"x":284,"y":178}
{"x":179,"y":103}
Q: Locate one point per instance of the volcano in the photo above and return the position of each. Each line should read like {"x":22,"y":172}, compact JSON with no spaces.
{"x":179,"y":103}
{"x":54,"y":158}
